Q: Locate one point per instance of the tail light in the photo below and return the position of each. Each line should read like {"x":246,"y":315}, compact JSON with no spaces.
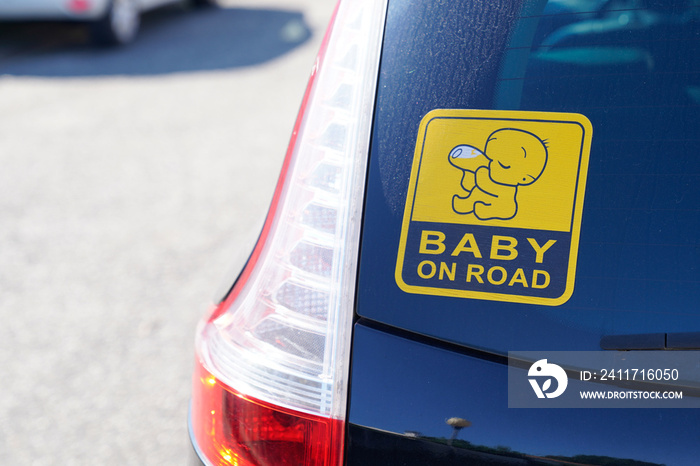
{"x":270,"y":386}
{"x":79,"y":6}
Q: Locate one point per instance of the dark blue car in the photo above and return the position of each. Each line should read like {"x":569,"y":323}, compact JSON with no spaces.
{"x":483,"y":247}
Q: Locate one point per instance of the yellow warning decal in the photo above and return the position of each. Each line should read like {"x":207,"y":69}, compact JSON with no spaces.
{"x":494,"y":204}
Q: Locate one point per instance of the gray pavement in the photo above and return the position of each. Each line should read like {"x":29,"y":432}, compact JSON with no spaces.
{"x":129,"y":181}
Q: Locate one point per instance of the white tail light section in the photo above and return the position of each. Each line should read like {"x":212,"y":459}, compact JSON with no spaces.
{"x":282,"y":337}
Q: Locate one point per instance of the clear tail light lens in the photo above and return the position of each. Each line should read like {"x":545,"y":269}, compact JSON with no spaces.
{"x":272,"y":359}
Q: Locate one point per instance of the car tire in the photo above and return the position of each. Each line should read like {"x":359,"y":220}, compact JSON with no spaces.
{"x":120,"y":24}
{"x":202,"y":3}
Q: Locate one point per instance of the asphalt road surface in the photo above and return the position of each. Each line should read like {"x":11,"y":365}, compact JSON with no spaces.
{"x":130,"y":179}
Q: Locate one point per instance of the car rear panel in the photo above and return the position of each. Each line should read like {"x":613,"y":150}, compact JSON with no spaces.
{"x":405,"y":388}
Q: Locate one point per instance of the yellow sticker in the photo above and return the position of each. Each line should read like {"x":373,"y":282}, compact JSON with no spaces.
{"x":494,"y":205}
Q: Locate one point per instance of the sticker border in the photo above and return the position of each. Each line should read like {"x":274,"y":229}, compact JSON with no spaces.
{"x":515,"y":115}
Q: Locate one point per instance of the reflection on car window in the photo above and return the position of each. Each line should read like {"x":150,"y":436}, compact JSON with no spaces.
{"x":630,"y":66}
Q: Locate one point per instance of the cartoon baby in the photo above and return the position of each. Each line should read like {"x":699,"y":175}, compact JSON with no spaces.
{"x":511,"y":158}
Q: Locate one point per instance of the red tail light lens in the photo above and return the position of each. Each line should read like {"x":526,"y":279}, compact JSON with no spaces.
{"x":273,"y":358}
{"x":79,"y":6}
{"x":243,"y":431}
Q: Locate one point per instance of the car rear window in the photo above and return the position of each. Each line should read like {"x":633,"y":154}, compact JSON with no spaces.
{"x":631,"y":68}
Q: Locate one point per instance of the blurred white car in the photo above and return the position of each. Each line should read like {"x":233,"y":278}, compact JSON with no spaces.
{"x":110,"y":21}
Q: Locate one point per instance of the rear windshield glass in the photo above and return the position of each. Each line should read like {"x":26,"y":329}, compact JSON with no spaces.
{"x":633,"y":69}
